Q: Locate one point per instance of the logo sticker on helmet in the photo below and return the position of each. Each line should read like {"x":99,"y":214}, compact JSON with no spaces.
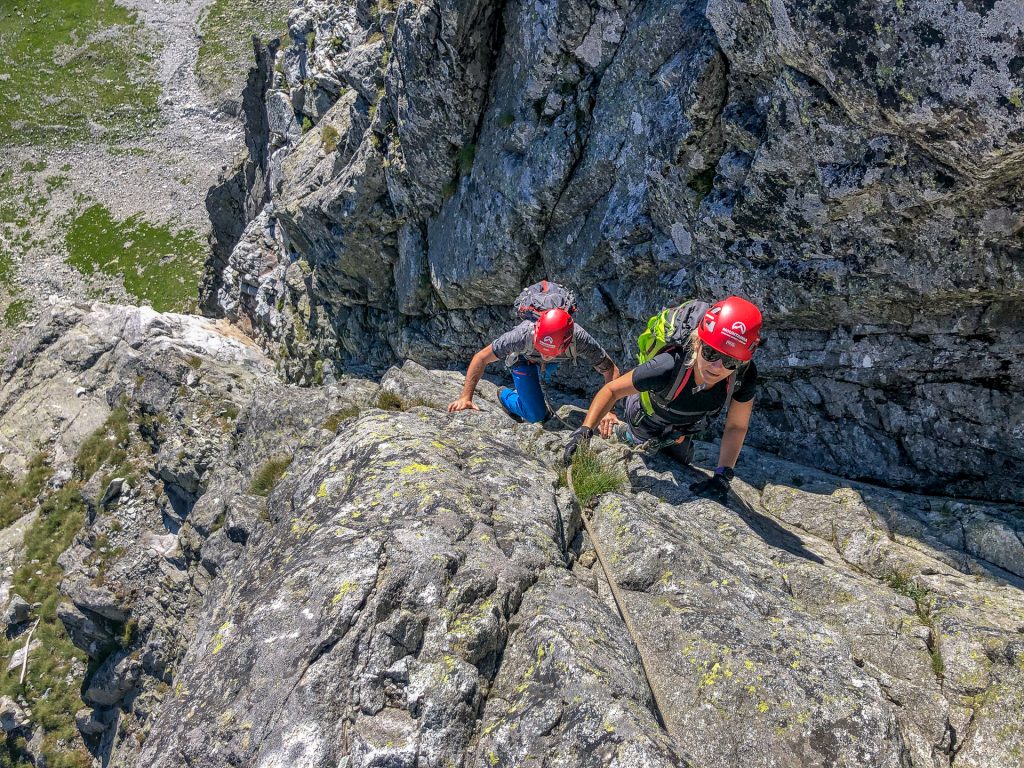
{"x":740,"y":327}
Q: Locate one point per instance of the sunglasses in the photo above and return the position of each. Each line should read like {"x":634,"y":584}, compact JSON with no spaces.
{"x":711,"y":355}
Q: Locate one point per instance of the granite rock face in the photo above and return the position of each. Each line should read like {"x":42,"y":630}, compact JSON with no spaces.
{"x":851,"y":167}
{"x":412,"y":587}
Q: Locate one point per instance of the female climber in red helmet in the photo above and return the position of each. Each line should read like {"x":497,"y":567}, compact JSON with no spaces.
{"x":678,"y":392}
{"x":550,"y":339}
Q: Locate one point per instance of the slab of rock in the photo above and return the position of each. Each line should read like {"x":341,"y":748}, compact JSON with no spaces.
{"x":12,"y":717}
{"x":17,"y":611}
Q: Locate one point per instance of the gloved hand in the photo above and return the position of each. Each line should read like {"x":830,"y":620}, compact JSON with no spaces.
{"x":578,"y":438}
{"x":715,"y":487}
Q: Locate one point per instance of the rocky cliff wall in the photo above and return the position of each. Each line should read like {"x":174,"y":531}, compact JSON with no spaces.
{"x":854,"y":168}
{"x":414,"y":588}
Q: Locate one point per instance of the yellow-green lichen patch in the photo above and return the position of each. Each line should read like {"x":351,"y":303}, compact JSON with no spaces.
{"x":346,"y":588}
{"x":224,"y":634}
{"x":416,"y":468}
{"x":301,"y":527}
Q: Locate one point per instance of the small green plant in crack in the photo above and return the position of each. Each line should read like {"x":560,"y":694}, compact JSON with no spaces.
{"x":906,"y":586}
{"x":702,"y":182}
{"x":269,"y":473}
{"x":464,"y":160}
{"x":389,"y":401}
{"x":591,"y":477}
{"x":329,"y":139}
{"x":332,"y":422}
{"x":449,"y":189}
{"x":924,"y":605}
{"x":506,"y":119}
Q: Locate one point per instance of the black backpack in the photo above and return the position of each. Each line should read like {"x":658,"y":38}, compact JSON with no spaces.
{"x":538,"y":298}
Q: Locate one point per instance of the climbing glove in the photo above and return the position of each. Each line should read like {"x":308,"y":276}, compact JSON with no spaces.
{"x":715,"y":487}
{"x":579,"y":437}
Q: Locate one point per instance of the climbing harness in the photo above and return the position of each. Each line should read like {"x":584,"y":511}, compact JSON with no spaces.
{"x":620,"y":604}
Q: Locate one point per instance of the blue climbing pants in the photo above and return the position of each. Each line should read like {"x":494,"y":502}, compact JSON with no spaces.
{"x":527,"y":399}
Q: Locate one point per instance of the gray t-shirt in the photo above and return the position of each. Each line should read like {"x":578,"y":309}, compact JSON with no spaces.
{"x":517,"y":345}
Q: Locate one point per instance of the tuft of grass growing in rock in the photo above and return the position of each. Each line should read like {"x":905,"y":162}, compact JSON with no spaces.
{"x":53,"y":681}
{"x":389,"y":401}
{"x":107,"y":445}
{"x":925,"y":608}
{"x":330,"y":138}
{"x":19,"y":498}
{"x":465,"y":158}
{"x":591,"y":477}
{"x":268,"y":474}
{"x":332,"y":422}
{"x":157,"y":265}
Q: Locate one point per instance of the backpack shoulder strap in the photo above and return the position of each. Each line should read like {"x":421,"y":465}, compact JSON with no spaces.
{"x":683,"y":373}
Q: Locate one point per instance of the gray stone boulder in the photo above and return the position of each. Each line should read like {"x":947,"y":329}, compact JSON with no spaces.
{"x":18,"y":610}
{"x":12,"y":718}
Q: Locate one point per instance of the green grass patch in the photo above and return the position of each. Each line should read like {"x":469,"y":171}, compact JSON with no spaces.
{"x":157,"y":265}
{"x":332,"y":422}
{"x":18,"y":498}
{"x":505,"y":119}
{"x":389,"y":401}
{"x":71,"y":64}
{"x":16,"y":313}
{"x":107,"y":445}
{"x":227,"y":27}
{"x":53,"y":686}
{"x":905,"y":585}
{"x":268,"y":474}
{"x":591,"y":477}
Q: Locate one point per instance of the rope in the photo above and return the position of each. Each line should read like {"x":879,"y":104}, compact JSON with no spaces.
{"x":620,"y":604}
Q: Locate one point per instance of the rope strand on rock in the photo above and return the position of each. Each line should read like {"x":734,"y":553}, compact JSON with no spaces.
{"x":620,"y":604}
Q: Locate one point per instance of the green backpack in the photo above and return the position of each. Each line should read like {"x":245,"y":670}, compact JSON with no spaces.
{"x":670,"y":329}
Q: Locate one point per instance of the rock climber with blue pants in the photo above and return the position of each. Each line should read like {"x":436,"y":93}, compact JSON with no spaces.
{"x":533,"y":349}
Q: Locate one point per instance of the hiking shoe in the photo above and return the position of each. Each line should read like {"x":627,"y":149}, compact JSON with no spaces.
{"x":621,"y":434}
{"x":514,"y":416}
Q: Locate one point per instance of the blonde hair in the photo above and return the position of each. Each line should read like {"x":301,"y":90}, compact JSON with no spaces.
{"x":691,"y":358}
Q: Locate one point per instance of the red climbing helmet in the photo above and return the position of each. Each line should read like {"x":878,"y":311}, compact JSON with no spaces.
{"x":732,"y":327}
{"x":552,"y":334}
